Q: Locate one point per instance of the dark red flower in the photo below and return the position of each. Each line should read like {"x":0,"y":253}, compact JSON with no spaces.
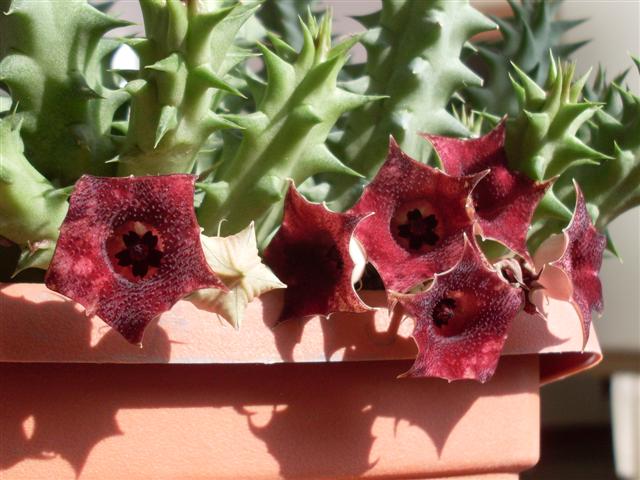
{"x":579,"y":264}
{"x":504,"y":200}
{"x":462,"y":320}
{"x":129,"y":248}
{"x":310,"y":253}
{"x":420,"y":218}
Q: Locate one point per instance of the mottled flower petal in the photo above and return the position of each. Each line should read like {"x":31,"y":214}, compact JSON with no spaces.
{"x":504,"y":200}
{"x":129,"y":249}
{"x":462,"y":320}
{"x":420,"y":218}
{"x":579,"y":264}
{"x":310,"y":254}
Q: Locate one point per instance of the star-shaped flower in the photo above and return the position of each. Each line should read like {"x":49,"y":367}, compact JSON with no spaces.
{"x":310,"y":253}
{"x":129,"y":248}
{"x":236,"y":261}
{"x":504,"y":200}
{"x":419,"y":222}
{"x":574,"y":275}
{"x":462,"y":320}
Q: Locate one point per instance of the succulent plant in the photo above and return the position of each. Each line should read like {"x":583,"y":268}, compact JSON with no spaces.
{"x":527,"y":37}
{"x":130,"y":247}
{"x":543,"y":143}
{"x":542,"y":140}
{"x":587,"y":140}
{"x":51,"y":55}
{"x":614,"y":131}
{"x":184,"y":58}
{"x":413,"y":51}
{"x":31,"y":208}
{"x":285,"y":137}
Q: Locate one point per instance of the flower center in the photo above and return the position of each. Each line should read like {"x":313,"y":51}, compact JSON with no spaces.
{"x":416,"y":228}
{"x":454,"y":313}
{"x":139,"y":253}
{"x":444,"y":312}
{"x":135,"y":251}
{"x":333,"y":257}
{"x":419,"y":230}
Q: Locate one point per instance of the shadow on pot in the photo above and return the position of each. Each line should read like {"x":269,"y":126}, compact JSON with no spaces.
{"x":71,"y":335}
{"x":321,"y":419}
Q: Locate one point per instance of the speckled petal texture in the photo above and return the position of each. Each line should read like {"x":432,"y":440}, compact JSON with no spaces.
{"x":504,"y":200}
{"x":581,"y":262}
{"x":310,"y":254}
{"x":84,"y":268}
{"x":462,"y":321}
{"x":401,"y":188}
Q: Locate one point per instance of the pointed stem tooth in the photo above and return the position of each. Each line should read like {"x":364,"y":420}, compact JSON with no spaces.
{"x":203,"y":23}
{"x":206,"y":74}
{"x":283,"y":49}
{"x":168,"y":64}
{"x":281,"y":81}
{"x":345,"y":46}
{"x":254,"y":122}
{"x":519,"y":91}
{"x":369,"y":20}
{"x":532,"y":90}
{"x":307,"y":54}
{"x":168,"y":121}
{"x":219,"y":122}
{"x":578,"y":86}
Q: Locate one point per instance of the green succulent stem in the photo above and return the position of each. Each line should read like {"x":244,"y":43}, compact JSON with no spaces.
{"x":613,"y":187}
{"x":285,"y":137}
{"x":526,"y":39}
{"x":184,"y":62}
{"x":413,"y":60}
{"x":52,"y":53}
{"x":543,"y":141}
{"x":31,"y":209}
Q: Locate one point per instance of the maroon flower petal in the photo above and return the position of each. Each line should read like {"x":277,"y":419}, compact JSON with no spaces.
{"x":504,"y":200}
{"x":310,"y":253}
{"x":420,"y":218}
{"x":581,"y":262}
{"x":129,"y":248}
{"x":462,"y":320}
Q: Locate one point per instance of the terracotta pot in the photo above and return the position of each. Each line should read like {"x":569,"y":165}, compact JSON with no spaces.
{"x":79,"y":402}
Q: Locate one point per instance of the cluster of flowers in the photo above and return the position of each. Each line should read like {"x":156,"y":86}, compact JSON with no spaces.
{"x":130,"y":248}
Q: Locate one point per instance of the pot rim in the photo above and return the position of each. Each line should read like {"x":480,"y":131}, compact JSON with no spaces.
{"x":39,"y":325}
